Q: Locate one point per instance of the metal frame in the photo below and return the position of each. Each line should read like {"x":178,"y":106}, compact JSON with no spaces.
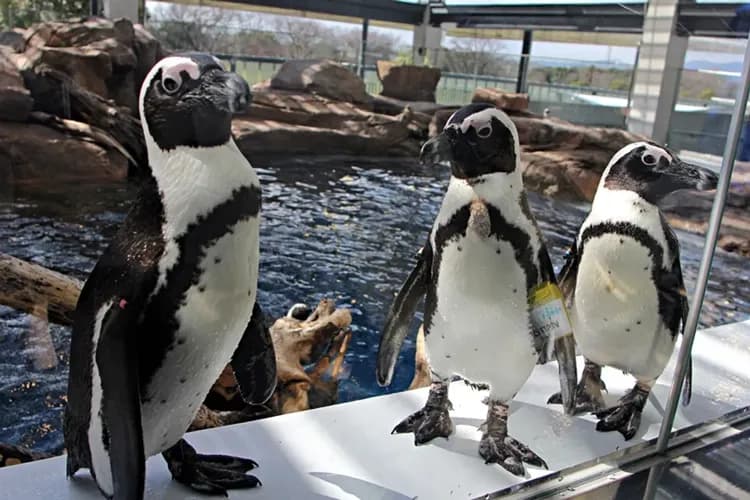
{"x":376,"y":10}
{"x":712,"y":234}
{"x":704,"y":19}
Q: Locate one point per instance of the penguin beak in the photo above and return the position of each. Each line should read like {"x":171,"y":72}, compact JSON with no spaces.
{"x":436,"y":150}
{"x":230,"y":91}
{"x":686,"y":176}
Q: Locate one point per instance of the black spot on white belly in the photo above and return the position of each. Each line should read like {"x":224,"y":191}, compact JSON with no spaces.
{"x":201,"y":289}
{"x":217,"y":260}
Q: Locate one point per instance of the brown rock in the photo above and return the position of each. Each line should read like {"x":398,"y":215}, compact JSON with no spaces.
{"x":268,"y":137}
{"x":410,"y":83}
{"x":504,"y":100}
{"x":571,"y":175}
{"x":15,"y":99}
{"x":283,"y":122}
{"x":13,"y":40}
{"x":147,"y":51}
{"x":32,"y":153}
{"x":735,"y":244}
{"x":89,"y":68}
{"x":107,"y":58}
{"x":75,"y":33}
{"x":322,"y":77}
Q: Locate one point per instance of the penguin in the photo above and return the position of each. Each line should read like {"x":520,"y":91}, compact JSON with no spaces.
{"x":623,"y":282}
{"x":482,"y":260}
{"x":173,"y":297}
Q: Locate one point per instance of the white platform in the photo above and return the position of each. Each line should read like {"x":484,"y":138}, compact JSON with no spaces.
{"x":346,"y":451}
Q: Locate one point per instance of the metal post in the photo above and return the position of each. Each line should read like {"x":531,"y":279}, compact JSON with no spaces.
{"x":363,"y":47}
{"x":523,"y":64}
{"x":714,"y":222}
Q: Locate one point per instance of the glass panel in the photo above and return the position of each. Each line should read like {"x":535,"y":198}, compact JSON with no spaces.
{"x":346,"y":204}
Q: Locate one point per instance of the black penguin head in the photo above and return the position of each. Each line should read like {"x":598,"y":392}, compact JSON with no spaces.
{"x":188,"y":100}
{"x":653,"y":171}
{"x":478,"y":139}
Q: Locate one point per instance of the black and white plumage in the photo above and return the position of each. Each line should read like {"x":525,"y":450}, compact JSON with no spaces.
{"x":623,"y":281}
{"x":482,"y":260}
{"x":172,"y":299}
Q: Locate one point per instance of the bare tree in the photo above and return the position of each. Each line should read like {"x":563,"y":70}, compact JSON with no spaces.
{"x":305,"y":39}
{"x":184,"y":27}
{"x":379,"y":45}
{"x":476,"y":56}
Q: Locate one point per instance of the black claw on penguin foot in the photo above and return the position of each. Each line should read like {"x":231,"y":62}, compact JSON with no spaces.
{"x":426,"y":424}
{"x":584,"y":403}
{"x":209,"y":474}
{"x":624,"y":418}
{"x":508,"y":453}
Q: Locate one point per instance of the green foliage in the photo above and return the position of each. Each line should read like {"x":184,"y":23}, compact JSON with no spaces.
{"x":619,"y":84}
{"x":404,"y":57}
{"x":706,"y":94}
{"x":22,"y":13}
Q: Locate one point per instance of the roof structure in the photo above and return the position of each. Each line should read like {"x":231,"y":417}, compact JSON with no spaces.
{"x":695,"y":17}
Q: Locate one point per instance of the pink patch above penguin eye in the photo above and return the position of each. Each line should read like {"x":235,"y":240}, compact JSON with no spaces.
{"x":176,"y":65}
{"x":123,"y":303}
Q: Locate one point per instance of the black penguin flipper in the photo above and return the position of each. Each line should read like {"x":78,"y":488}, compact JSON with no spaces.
{"x":254,"y":361}
{"x":569,"y":274}
{"x":400,"y":315}
{"x":673,"y":301}
{"x":563,"y":349}
{"x":117,"y":360}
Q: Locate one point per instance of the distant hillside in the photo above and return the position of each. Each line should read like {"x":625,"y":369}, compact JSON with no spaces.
{"x":717,"y":66}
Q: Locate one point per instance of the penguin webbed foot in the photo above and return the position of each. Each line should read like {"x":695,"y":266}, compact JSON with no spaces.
{"x":625,"y":417}
{"x":588,"y":394}
{"x":209,"y":474}
{"x":509,"y":453}
{"x":426,"y":424}
{"x":585,"y":401}
{"x":496,"y":446}
{"x":433,"y":420}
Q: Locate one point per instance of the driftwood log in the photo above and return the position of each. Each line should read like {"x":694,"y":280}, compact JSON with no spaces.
{"x":318,"y":341}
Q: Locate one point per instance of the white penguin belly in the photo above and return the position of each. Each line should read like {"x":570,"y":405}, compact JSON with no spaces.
{"x":616,"y":312}
{"x":480,"y":329}
{"x":212,"y":320}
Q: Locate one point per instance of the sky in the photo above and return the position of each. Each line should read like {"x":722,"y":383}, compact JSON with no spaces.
{"x":552,"y":50}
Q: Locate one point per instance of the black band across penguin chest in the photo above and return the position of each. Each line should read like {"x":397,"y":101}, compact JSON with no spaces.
{"x":486,"y":222}
{"x":161,"y":327}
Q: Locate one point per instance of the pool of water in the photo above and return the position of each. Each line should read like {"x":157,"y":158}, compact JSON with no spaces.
{"x":340,"y":228}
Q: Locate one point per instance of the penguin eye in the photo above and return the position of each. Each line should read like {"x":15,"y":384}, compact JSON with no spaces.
{"x":170,"y":84}
{"x":649,"y":159}
{"x":484,"y":132}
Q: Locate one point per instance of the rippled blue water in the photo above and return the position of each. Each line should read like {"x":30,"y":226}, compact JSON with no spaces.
{"x":339,"y":228}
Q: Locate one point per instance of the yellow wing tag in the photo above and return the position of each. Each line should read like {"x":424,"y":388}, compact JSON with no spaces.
{"x":549,"y":317}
